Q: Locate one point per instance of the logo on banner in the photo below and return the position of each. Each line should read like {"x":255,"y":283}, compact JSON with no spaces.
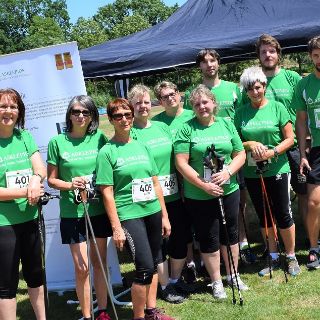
{"x":63,"y":60}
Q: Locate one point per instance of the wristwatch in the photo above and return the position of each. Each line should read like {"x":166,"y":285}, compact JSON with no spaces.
{"x":276,"y":153}
{"x":229,"y":171}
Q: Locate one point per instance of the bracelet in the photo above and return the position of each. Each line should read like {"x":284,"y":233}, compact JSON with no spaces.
{"x":276,"y":153}
{"x":229,"y":171}
{"x":39,"y":175}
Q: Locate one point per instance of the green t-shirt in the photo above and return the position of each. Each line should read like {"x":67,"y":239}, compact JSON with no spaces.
{"x":307,"y":98}
{"x":75,"y":157}
{"x":281,"y":88}
{"x":228,"y":97}
{"x":158,"y":138}
{"x":263,"y":125}
{"x":174,"y":123}
{"x":193,"y":138}
{"x":128,"y":168}
{"x":15,"y":172}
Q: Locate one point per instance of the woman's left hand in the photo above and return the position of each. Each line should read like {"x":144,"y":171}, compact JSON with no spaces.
{"x":166,"y":227}
{"x":35,"y":190}
{"x":221,"y":177}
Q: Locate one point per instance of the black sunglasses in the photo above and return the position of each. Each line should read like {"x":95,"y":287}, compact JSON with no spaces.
{"x":76,"y":112}
{"x":119,"y":116}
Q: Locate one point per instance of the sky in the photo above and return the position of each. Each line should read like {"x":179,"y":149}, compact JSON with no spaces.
{"x":87,"y":8}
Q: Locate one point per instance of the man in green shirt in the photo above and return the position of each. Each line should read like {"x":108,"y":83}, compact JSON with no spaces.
{"x":307,"y":103}
{"x":280,"y":87}
{"x":227,"y":93}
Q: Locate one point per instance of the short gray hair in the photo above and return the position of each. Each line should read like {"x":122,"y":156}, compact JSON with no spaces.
{"x":252,"y":75}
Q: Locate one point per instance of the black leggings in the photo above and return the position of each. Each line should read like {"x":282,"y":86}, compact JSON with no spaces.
{"x":181,"y":232}
{"x":207,"y":222}
{"x":279,"y":198}
{"x":20,"y":241}
{"x":144,"y":243}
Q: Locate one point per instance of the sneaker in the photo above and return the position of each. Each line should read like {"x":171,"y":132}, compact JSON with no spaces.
{"x":184,"y":288}
{"x":218,"y":290}
{"x":293,"y":266}
{"x":190,"y":274}
{"x":157,"y":314}
{"x":242,"y":285}
{"x":103,"y":316}
{"x":170,"y":294}
{"x":275,"y":265}
{"x":247,"y":256}
{"x":313,"y":260}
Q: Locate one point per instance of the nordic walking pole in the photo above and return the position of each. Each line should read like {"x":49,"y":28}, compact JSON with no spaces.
{"x":84,"y":199}
{"x":42,"y":231}
{"x":260,"y":169}
{"x":214,"y":162}
{"x":276,"y":238}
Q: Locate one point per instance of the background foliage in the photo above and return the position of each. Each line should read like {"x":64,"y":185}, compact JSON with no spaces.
{"x":28,"y":24}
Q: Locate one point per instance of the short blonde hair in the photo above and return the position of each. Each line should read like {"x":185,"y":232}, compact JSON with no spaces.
{"x":137,"y":91}
{"x":200,"y":91}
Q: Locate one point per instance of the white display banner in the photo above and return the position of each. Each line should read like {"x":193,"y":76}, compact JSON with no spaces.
{"x":47,"y":78}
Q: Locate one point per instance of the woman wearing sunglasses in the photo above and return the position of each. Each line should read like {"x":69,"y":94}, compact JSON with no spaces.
{"x":127,"y":176}
{"x":21,"y":175}
{"x":71,"y":168}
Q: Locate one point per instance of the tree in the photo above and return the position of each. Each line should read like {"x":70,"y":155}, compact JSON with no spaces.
{"x":16,"y":17}
{"x":132,"y":16}
{"x":88,"y":32}
{"x":129,"y":25}
{"x":43,"y":32}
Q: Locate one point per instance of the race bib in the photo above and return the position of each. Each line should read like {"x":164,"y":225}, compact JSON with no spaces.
{"x":19,"y":178}
{"x":317,"y":117}
{"x":142,"y":190}
{"x":169,"y":184}
{"x":207,"y":174}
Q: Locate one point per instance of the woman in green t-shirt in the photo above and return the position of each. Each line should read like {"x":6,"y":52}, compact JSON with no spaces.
{"x":72,"y":167}
{"x":156,"y":135}
{"x":21,"y":184}
{"x":127,"y":176}
{"x":266,"y":131}
{"x":202,"y":188}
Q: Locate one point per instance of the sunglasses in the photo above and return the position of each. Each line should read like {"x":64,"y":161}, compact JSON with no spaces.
{"x":170,"y":95}
{"x":76,"y":112}
{"x":119,"y":116}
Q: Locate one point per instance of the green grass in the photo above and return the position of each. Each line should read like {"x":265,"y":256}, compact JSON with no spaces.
{"x":267,"y":299}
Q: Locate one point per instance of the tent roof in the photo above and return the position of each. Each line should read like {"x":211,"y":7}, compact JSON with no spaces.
{"x":229,"y":26}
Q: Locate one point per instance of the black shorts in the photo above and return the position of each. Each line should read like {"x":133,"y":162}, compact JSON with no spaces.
{"x":207,"y":222}
{"x":279,"y":199}
{"x":73,"y":230}
{"x":314,"y":161}
{"x":298,"y":185}
{"x":20,"y":242}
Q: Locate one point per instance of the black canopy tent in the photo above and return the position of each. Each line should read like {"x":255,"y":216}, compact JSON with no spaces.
{"x":229,"y":26}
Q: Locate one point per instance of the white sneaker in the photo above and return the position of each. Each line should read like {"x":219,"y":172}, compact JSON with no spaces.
{"x":242,"y":285}
{"x":218,"y":290}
